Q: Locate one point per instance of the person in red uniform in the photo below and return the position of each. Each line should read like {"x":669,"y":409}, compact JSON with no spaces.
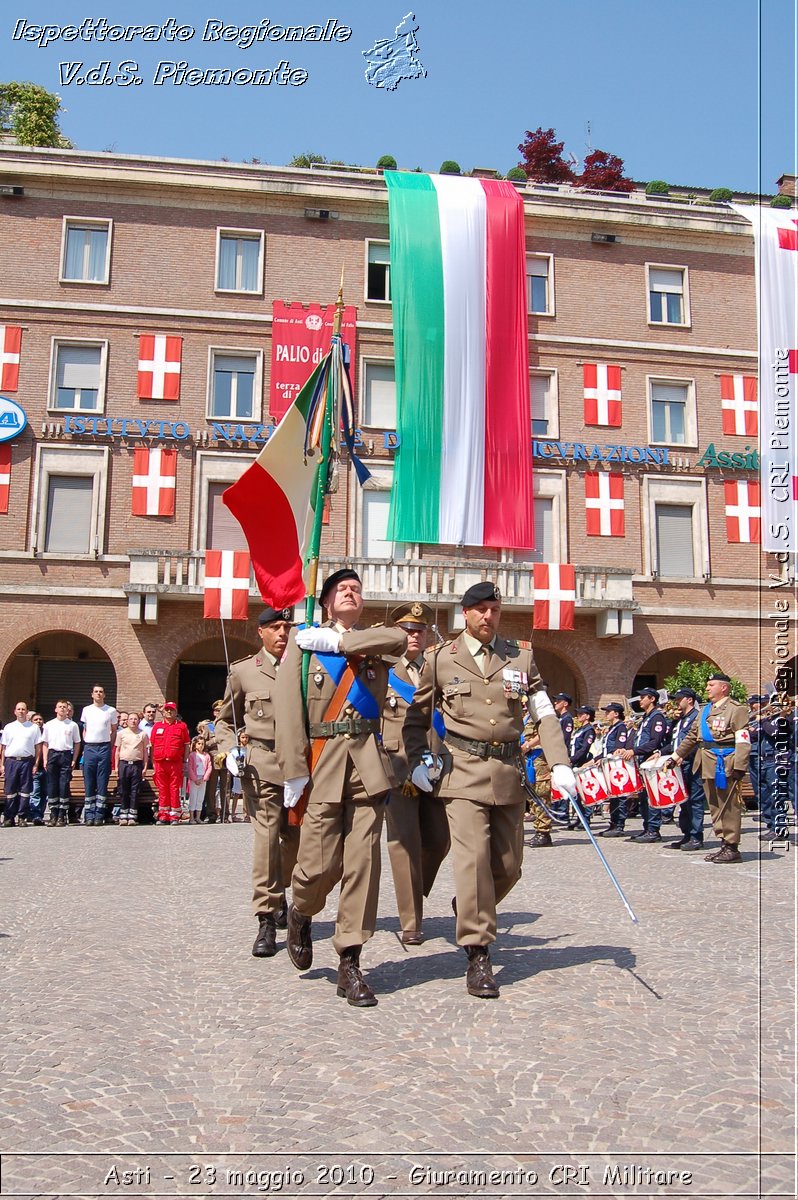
{"x":170,"y":742}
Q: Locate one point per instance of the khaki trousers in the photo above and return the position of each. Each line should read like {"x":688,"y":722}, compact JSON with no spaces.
{"x":274,"y":843}
{"x":726,"y":809}
{"x":487,"y":849}
{"x":341,"y":842}
{"x":418,"y":842}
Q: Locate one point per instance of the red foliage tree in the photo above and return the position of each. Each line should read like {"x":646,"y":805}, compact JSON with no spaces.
{"x":604,"y":172}
{"x":542,"y":158}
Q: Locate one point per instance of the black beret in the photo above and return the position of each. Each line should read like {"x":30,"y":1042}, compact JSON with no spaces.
{"x":337,"y":577}
{"x":585,"y":708}
{"x":685,"y":693}
{"x":721,"y":678}
{"x":479,"y":592}
{"x":270,"y":614}
{"x":616,"y":708}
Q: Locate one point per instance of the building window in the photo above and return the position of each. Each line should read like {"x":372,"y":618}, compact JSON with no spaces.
{"x":86,"y":251}
{"x":234,"y":386}
{"x":239,"y":261}
{"x":549,"y":517}
{"x":223,"y":531}
{"x":667,"y":296}
{"x":675,"y":527}
{"x":672,"y":415}
{"x":215,"y":527}
{"x":69,"y":500}
{"x":540,"y":284}
{"x":378,"y":271}
{"x":379,"y":395}
{"x":78,"y":376}
{"x":543,"y":399}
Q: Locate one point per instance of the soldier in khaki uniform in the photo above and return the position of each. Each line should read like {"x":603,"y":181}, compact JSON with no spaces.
{"x":478,"y":680}
{"x":418,"y":832}
{"x":249,"y":704}
{"x":541,"y":820}
{"x":340,"y":839}
{"x":724,"y":745}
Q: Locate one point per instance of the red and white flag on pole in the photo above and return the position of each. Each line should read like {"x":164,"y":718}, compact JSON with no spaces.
{"x":10,"y":348}
{"x":604,"y":504}
{"x":739,"y":405}
{"x":602,"y":394}
{"x":227,"y":584}
{"x":5,"y":475}
{"x":159,"y":366}
{"x":554,"y":596}
{"x":154,"y":482}
{"x":743,"y":511}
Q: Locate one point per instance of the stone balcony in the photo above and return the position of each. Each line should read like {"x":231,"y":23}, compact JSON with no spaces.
{"x":606,"y":592}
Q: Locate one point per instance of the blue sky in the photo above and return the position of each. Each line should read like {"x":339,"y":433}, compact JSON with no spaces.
{"x":672,"y":88}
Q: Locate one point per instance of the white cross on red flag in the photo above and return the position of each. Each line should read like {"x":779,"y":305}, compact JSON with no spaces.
{"x":154,"y":482}
{"x":159,"y":366}
{"x":554,"y":596}
{"x":602,"y":382}
{"x":739,"y":405}
{"x":743,"y":510}
{"x":10,"y":348}
{"x":227,"y":584}
{"x":5,"y":475}
{"x":604,"y":504}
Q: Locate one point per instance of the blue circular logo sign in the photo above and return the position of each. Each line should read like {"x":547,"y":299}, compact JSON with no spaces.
{"x":12,"y":419}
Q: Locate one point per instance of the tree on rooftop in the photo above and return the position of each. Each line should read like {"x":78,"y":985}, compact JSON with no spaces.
{"x":604,"y":172}
{"x":307,"y":160}
{"x":29,"y":113}
{"x":542,"y":157}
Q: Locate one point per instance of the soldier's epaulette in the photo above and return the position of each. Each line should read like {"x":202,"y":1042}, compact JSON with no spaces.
{"x":517,"y":644}
{"x":236,"y":661}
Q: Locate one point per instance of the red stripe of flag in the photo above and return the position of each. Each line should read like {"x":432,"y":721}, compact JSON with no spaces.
{"x":5,"y":475}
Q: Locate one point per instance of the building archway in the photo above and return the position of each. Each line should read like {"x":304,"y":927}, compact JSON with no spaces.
{"x":58,"y":665}
{"x":199,"y":676}
{"x":656,"y":668}
{"x":558,"y":675}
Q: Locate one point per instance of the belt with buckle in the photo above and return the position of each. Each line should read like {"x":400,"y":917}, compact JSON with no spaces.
{"x":356,"y":727}
{"x":507,"y":751}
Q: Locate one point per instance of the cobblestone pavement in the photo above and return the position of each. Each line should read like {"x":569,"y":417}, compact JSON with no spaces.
{"x":139,"y":1029}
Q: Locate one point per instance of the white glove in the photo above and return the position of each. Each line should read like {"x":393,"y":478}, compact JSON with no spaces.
{"x":233,"y":763}
{"x":325,"y":641}
{"x":421,"y":779}
{"x":563,"y":778}
{"x":293,"y":789}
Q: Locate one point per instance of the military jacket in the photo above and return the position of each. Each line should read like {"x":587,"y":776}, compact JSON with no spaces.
{"x":361,"y":754}
{"x":483,"y":707}
{"x":393,"y":718}
{"x":250,"y":693}
{"x":728,"y":723}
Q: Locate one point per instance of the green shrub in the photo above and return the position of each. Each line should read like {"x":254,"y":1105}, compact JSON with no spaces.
{"x":386,"y":163}
{"x":781,"y":201}
{"x":695,"y":674}
{"x":721,"y":195}
{"x":657,"y":187}
{"x":450,"y":167}
{"x":517,"y":175}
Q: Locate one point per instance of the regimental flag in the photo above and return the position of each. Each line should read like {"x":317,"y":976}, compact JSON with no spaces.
{"x":10,"y":348}
{"x":776,"y":242}
{"x":226,"y":585}
{"x":604,"y":504}
{"x":159,"y":366}
{"x":743,"y":510}
{"x":154,"y":482}
{"x":554,"y":596}
{"x":5,"y":475}
{"x":463,"y":468}
{"x":739,"y":405}
{"x":602,"y":383}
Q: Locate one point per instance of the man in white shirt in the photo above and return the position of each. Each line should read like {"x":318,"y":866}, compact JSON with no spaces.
{"x":20,"y":751}
{"x":99,"y":721}
{"x":61,"y":751}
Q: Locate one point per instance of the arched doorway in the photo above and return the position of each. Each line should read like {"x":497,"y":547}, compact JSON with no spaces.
{"x":200,"y":676}
{"x":557,"y":675}
{"x":55,"y":666}
{"x":654,"y":671}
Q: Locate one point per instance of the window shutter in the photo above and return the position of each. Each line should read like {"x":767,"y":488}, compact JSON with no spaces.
{"x":69,"y":500}
{"x":675,"y":540}
{"x":224,"y":531}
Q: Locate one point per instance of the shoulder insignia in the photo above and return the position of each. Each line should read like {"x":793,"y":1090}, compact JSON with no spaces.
{"x":236,"y":661}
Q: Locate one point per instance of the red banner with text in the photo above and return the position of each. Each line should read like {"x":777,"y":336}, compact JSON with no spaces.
{"x":300,"y":338}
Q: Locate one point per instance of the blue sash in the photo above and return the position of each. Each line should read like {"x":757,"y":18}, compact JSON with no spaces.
{"x":721,"y":752}
{"x":358,"y":696}
{"x":407,"y":692}
{"x":529,"y":762}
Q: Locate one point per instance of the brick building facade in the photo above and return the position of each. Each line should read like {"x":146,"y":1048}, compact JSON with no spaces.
{"x":99,"y":252}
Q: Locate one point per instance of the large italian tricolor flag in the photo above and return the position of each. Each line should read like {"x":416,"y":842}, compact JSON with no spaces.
{"x":273,"y":502}
{"x":463,"y":471}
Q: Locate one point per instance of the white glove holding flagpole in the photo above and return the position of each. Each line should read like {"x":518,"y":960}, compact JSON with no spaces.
{"x":563,"y":778}
{"x":421,"y":779}
{"x":325,"y":641}
{"x":293,"y":789}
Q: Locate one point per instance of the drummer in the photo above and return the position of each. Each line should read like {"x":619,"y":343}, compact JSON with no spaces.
{"x":691,"y":810}
{"x":615,"y":740}
{"x":582,"y":738}
{"x":650,"y":737}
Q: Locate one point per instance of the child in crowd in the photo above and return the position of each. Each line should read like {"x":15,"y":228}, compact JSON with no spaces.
{"x":235,"y":782}
{"x":200,"y":766}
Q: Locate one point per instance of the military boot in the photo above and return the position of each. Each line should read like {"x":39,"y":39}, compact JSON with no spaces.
{"x":299,"y":942}
{"x":351,"y":983}
{"x":265,"y":945}
{"x":479,"y":977}
{"x":727,"y":854}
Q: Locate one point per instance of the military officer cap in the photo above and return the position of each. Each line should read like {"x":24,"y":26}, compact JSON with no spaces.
{"x":616,"y":708}
{"x":563,"y":696}
{"x":270,"y":614}
{"x":337,"y":577}
{"x":719,"y":676}
{"x":479,"y":593}
{"x":647,"y":691}
{"x":685,"y":693}
{"x":585,"y":708}
{"x":415,"y":615}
